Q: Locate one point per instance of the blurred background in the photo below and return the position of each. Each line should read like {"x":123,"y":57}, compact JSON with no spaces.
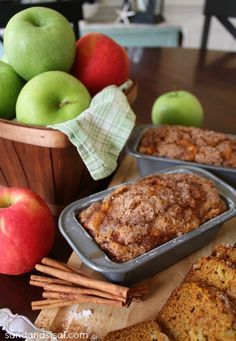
{"x":184,"y":14}
{"x":144,"y":23}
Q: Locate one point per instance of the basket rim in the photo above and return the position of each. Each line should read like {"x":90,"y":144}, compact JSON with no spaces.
{"x":32,"y":134}
{"x":44,"y":136}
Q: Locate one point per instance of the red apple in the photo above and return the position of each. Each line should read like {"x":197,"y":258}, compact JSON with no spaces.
{"x":100,"y":62}
{"x":27,"y":230}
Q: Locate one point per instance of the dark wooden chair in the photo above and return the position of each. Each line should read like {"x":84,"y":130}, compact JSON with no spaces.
{"x":222,"y":10}
{"x":71,"y":9}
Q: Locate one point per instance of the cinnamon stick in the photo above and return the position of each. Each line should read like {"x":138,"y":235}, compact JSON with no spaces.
{"x":75,"y":290}
{"x":61,"y":266}
{"x":83,"y":291}
{"x":53,"y":284}
{"x":45,"y":302}
{"x":48,"y":286}
{"x":68,"y":285}
{"x":76,"y":278}
{"x":43,"y":279}
{"x":55,"y":264}
{"x":60,"y":295}
{"x":58,"y":304}
{"x":71,"y":296}
{"x":36,"y":305}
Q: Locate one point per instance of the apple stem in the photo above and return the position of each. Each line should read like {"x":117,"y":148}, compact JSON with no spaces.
{"x":6,"y":202}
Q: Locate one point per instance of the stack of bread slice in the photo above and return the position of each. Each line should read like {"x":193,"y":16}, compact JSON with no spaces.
{"x":202,"y":308}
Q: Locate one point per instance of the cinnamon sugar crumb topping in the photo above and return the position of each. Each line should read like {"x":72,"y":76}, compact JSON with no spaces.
{"x":138,"y":217}
{"x":189,"y":144}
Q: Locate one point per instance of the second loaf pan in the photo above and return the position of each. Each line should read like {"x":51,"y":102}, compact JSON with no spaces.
{"x":152,"y":261}
{"x":148,"y":164}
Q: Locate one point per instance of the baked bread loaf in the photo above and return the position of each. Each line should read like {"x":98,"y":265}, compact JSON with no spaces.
{"x":214,"y":272}
{"x":226,"y":252}
{"x":197,"y":312}
{"x":143,"y":331}
{"x":138,"y":217}
{"x":189,"y":144}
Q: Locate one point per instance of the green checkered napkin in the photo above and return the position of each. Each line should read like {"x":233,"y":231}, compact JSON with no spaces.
{"x":101,"y":131}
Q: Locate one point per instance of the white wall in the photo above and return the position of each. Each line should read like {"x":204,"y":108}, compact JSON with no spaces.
{"x":188,"y":14}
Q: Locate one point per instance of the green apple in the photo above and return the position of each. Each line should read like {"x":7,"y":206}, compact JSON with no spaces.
{"x":51,"y":97}
{"x":177,"y":107}
{"x":10,"y":87}
{"x":39,"y":39}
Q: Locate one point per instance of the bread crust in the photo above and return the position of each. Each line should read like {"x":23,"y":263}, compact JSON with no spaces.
{"x":143,"y":331}
{"x":226,"y":252}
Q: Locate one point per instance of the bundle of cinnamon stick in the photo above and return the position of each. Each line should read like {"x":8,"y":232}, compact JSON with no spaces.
{"x":68,"y":285}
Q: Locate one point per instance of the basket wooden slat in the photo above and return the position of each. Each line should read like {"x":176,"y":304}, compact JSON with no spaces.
{"x":57,"y":174}
{"x":11,"y":168}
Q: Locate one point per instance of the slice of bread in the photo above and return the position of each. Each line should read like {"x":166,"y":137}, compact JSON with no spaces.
{"x":197,"y":312}
{"x":215,"y":272}
{"x":143,"y":331}
{"x":226,"y":252}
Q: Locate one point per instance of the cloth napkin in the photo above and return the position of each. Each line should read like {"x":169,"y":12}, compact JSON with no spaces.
{"x":101,"y":131}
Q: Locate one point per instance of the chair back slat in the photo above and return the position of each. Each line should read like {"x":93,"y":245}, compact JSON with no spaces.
{"x":225,"y":8}
{"x":222,"y":10}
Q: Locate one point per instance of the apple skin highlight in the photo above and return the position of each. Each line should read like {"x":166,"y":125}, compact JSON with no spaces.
{"x":27,"y":230}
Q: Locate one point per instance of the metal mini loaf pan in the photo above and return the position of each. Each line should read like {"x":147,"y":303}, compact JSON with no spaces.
{"x":150,"y":164}
{"x":155,"y":260}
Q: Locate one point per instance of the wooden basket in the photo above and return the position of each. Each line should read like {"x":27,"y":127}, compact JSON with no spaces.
{"x":45,"y":161}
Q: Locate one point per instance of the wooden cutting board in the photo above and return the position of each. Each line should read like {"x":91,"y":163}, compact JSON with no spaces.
{"x":106,"y":318}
